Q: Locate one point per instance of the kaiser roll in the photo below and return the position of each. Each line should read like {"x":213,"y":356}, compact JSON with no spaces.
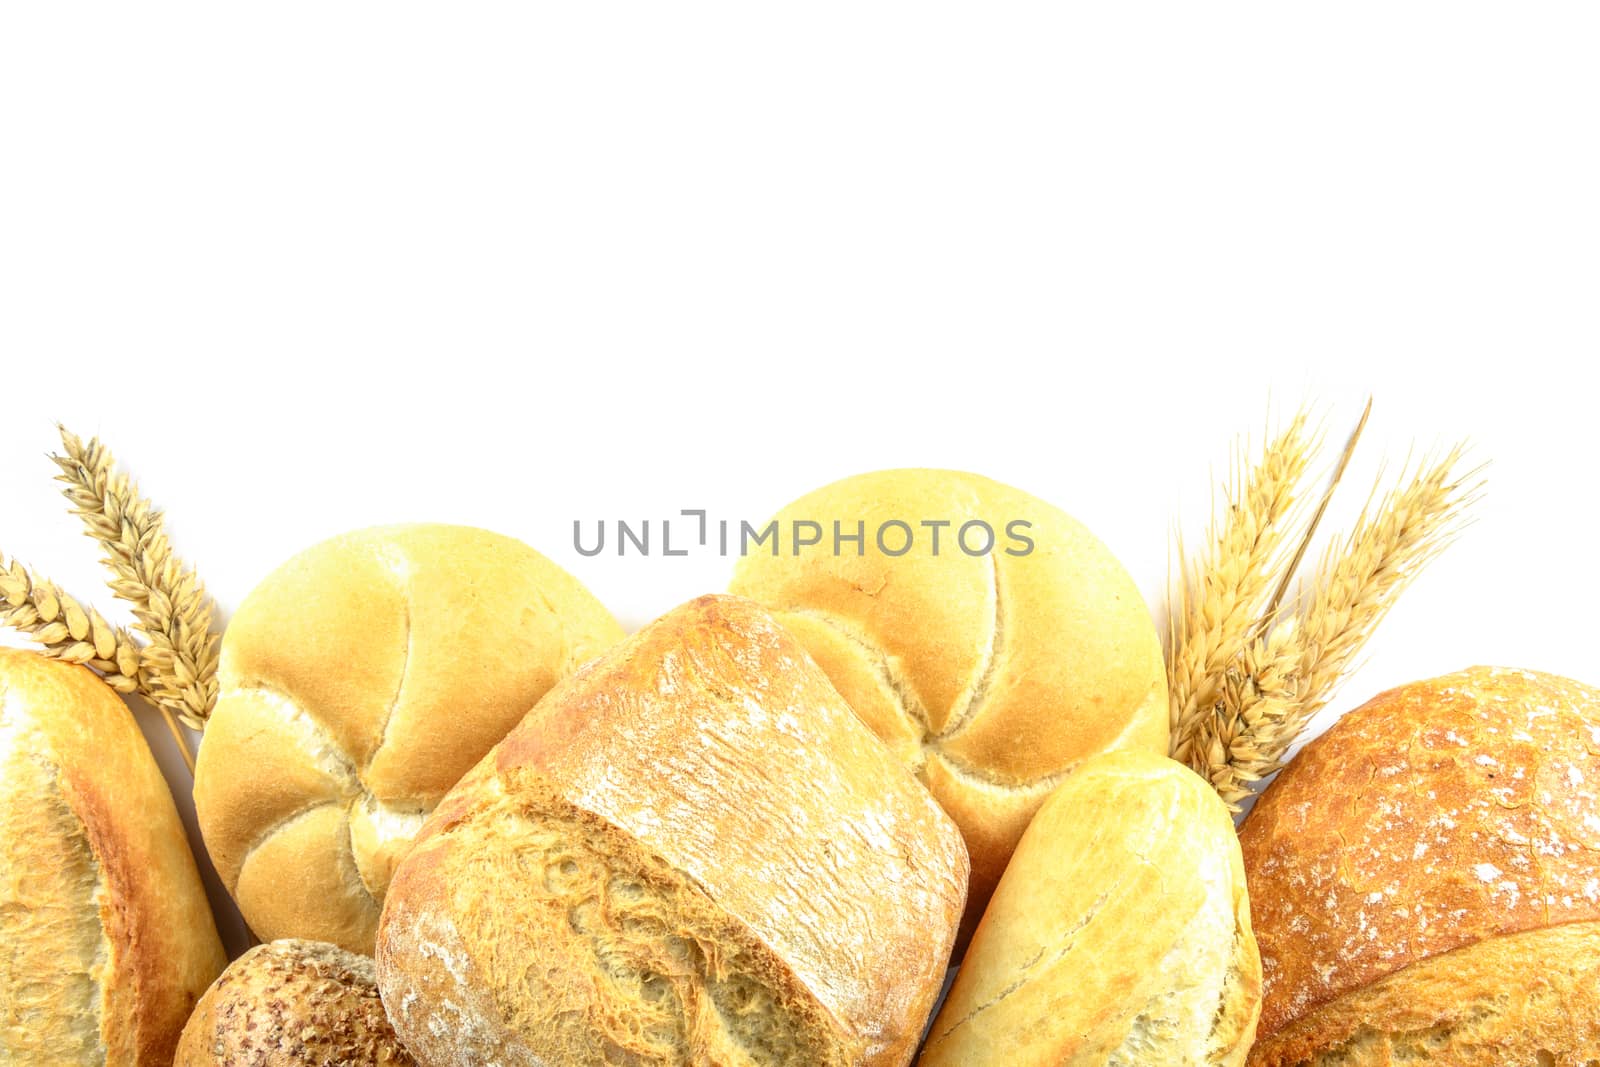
{"x":990,"y":675}
{"x":690,"y":853}
{"x":1426,"y":880}
{"x":1119,"y":935}
{"x":106,"y":939}
{"x":292,"y":1004}
{"x":358,"y":682}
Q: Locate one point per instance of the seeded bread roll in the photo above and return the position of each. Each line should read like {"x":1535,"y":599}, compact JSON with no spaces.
{"x":691,"y":852}
{"x":1120,"y":934}
{"x":990,"y":675}
{"x":106,"y":939}
{"x":358,"y":681}
{"x":1425,"y":880}
{"x":292,"y":1004}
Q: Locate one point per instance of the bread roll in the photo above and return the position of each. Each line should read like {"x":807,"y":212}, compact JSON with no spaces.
{"x":1120,"y":934}
{"x":991,"y":675}
{"x":358,"y":682}
{"x":1425,"y":880}
{"x":106,"y":939}
{"x":691,"y":852}
{"x":292,"y":1004}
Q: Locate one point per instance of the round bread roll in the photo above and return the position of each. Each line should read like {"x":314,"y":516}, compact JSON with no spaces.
{"x":106,"y":939}
{"x":293,"y":1004}
{"x":358,"y":682}
{"x":692,"y":852}
{"x":990,"y":675}
{"x":1119,"y":935}
{"x":1426,"y":882}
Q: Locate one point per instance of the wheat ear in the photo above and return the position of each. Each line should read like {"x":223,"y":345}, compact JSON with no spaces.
{"x":1243,"y":692}
{"x":65,"y":629}
{"x":68,"y":631}
{"x":170,"y":605}
{"x":1360,"y":579}
{"x":1221,"y":594}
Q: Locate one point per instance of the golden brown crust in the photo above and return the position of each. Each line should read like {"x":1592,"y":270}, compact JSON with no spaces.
{"x":106,"y":939}
{"x":292,"y":1004}
{"x":359,"y":681}
{"x":1149,"y":962}
{"x":701,"y":805}
{"x":1462,"y":1009}
{"x":991,"y":675}
{"x":1438,"y":816}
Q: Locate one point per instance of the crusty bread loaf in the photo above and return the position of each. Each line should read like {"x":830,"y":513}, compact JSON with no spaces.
{"x":690,"y":853}
{"x":1426,"y":883}
{"x":990,"y":675}
{"x":106,"y":939}
{"x":292,"y":1004}
{"x":359,"y":681}
{"x":1119,"y":935}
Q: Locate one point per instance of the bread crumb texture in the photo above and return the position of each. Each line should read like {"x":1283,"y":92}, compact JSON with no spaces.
{"x":52,"y":948}
{"x":1426,"y":879}
{"x":691,"y":852}
{"x":293,"y":1004}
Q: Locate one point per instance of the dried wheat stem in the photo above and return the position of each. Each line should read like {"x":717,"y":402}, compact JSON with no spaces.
{"x":1293,"y":566}
{"x":65,"y":629}
{"x":170,"y":606}
{"x":185,"y":749}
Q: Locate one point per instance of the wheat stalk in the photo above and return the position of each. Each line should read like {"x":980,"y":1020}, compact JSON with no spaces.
{"x":68,"y":631}
{"x":1222,"y":594}
{"x":179,"y":664}
{"x":1242,"y":694}
{"x":1360,"y":579}
{"x":65,"y":629}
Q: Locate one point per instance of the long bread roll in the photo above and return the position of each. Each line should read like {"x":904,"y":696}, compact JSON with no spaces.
{"x":106,"y":939}
{"x":690,"y":852}
{"x":1118,"y":937}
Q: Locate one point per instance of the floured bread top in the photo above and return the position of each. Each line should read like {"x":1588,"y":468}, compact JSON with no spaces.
{"x":1436,"y":815}
{"x":695,"y":819}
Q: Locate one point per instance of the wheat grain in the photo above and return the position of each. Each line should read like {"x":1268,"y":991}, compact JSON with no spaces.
{"x":179,"y":664}
{"x":65,"y":629}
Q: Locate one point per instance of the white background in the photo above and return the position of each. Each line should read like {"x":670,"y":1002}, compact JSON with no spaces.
{"x":312,"y":267}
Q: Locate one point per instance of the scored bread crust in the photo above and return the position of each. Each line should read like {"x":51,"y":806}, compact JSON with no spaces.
{"x":991,"y":676}
{"x":1399,"y":846}
{"x":359,"y":681}
{"x":691,"y":851}
{"x":106,"y":938}
{"x":292,"y":1003}
{"x":1120,"y":935}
